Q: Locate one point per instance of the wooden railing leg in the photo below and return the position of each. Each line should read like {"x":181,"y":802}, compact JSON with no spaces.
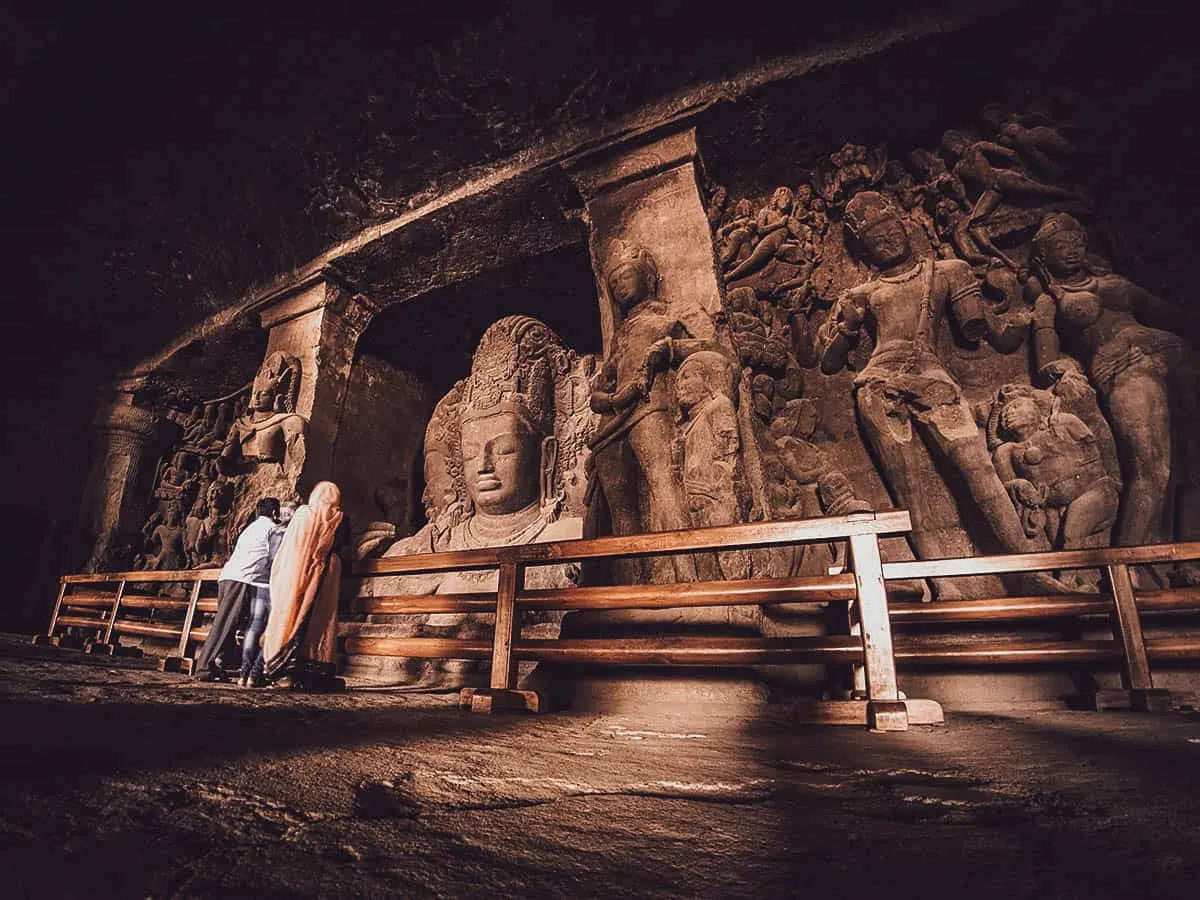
{"x":503,"y":695}
{"x":48,"y":637}
{"x":885,"y":710}
{"x":1127,"y":629}
{"x":180,"y":662}
{"x":106,"y":646}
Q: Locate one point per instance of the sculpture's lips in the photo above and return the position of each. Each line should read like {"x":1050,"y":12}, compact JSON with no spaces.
{"x":487,"y":484}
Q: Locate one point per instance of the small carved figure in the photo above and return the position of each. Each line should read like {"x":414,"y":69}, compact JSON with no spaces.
{"x":736,"y":234}
{"x":905,"y":392}
{"x":1051,"y":464}
{"x":848,"y":170}
{"x":770,"y":231}
{"x":192,"y":526}
{"x":995,"y":171}
{"x":705,"y":391}
{"x":166,"y":548}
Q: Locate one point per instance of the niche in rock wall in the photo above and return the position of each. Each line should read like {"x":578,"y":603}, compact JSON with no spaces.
{"x":414,"y":352}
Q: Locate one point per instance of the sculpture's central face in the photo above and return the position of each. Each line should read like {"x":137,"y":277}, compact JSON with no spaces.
{"x":886,"y":241}
{"x":1064,"y":253}
{"x":439,"y":485}
{"x":502,"y":459}
{"x":627,"y":285}
{"x":1019,"y":418}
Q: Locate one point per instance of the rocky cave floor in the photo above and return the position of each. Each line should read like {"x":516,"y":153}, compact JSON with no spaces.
{"x":118,"y":780}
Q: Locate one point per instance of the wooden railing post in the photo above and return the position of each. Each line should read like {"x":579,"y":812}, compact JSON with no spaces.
{"x":106,"y":645}
{"x":180,"y":662}
{"x":48,"y":637}
{"x":885,"y":710}
{"x":1127,"y":629}
{"x":503,"y":693}
{"x":504,"y":667}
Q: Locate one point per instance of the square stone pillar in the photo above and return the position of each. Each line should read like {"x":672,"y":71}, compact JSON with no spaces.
{"x":113,"y":505}
{"x":319,"y":321}
{"x":650,"y":195}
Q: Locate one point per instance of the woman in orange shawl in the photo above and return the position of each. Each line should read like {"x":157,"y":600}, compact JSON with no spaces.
{"x":301,"y":633}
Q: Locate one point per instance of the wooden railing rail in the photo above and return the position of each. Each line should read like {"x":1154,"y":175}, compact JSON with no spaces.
{"x":1122,"y":603}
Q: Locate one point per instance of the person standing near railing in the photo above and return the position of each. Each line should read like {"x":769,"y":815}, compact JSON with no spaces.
{"x":300,"y":643}
{"x":249,"y":565}
{"x":260,"y":607}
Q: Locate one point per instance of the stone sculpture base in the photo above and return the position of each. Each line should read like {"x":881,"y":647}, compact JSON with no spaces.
{"x":639,"y":690}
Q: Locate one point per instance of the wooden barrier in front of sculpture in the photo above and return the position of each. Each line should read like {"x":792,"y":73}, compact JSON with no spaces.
{"x":102,"y":612}
{"x":1121,"y":605}
{"x":883,"y":710}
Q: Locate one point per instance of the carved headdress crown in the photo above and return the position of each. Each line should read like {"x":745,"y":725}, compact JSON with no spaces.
{"x":627,"y":253}
{"x":866,"y":208}
{"x":513,"y":371}
{"x":1057,"y":223}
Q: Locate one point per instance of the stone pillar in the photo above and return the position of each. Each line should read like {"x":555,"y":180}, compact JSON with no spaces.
{"x":319,"y":321}
{"x":651,"y":195}
{"x":114,"y":498}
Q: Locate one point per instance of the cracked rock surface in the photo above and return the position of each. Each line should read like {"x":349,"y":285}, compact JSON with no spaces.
{"x":121,"y":781}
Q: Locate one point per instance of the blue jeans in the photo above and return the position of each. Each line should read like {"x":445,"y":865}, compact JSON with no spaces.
{"x":252,"y":654}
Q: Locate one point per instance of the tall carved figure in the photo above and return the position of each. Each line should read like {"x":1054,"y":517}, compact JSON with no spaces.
{"x":632,"y":442}
{"x":1142,"y":373}
{"x":907,"y":402}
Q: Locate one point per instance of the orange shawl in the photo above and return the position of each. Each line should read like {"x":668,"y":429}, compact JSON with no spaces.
{"x":305,"y":579}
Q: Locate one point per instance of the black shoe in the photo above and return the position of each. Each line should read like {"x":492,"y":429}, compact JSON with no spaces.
{"x":212,"y":676}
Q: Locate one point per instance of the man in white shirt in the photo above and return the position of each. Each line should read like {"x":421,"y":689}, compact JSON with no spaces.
{"x":260,"y":608}
{"x":249,"y":566}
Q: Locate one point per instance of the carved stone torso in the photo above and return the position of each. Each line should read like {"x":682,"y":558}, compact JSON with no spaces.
{"x":1065,"y":459}
{"x":633,"y":338}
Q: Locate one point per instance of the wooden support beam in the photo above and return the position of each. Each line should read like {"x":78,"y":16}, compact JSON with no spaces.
{"x":1127,"y":629}
{"x":62,"y":590}
{"x":724,"y":537}
{"x":419,"y":648}
{"x":112,"y":615}
{"x":508,"y":627}
{"x":885,"y":710}
{"x":188,"y":617}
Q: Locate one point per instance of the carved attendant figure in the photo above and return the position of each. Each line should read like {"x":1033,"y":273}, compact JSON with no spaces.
{"x":636,"y":428}
{"x":1054,"y":471}
{"x":904,"y":392}
{"x":704,"y":390}
{"x":1135,"y":367}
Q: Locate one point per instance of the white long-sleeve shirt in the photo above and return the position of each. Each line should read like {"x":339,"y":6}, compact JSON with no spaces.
{"x":250,"y":562}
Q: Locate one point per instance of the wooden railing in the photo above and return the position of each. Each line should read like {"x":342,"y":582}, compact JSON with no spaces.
{"x":874,"y":648}
{"x":1122,"y":605}
{"x":105,"y":613}
{"x":883,"y":709}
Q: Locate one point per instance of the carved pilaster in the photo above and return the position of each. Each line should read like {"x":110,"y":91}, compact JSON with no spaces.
{"x":114,"y":498}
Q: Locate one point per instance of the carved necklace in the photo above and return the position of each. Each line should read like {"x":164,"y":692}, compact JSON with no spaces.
{"x":906,"y":275}
{"x":520,"y":527}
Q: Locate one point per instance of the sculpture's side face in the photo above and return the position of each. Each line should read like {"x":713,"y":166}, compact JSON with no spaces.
{"x":502,"y":462}
{"x":1019,"y":419}
{"x":885,"y":242}
{"x":1064,"y":253}
{"x":440,"y":491}
{"x":691,"y":387}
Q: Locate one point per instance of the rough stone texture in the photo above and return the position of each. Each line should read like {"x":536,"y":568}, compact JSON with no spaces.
{"x":205,"y":791}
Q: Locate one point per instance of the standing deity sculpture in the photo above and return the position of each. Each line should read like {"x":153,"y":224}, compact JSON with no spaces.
{"x":634,"y":400}
{"x":1143,"y":373}
{"x":907,"y":402}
